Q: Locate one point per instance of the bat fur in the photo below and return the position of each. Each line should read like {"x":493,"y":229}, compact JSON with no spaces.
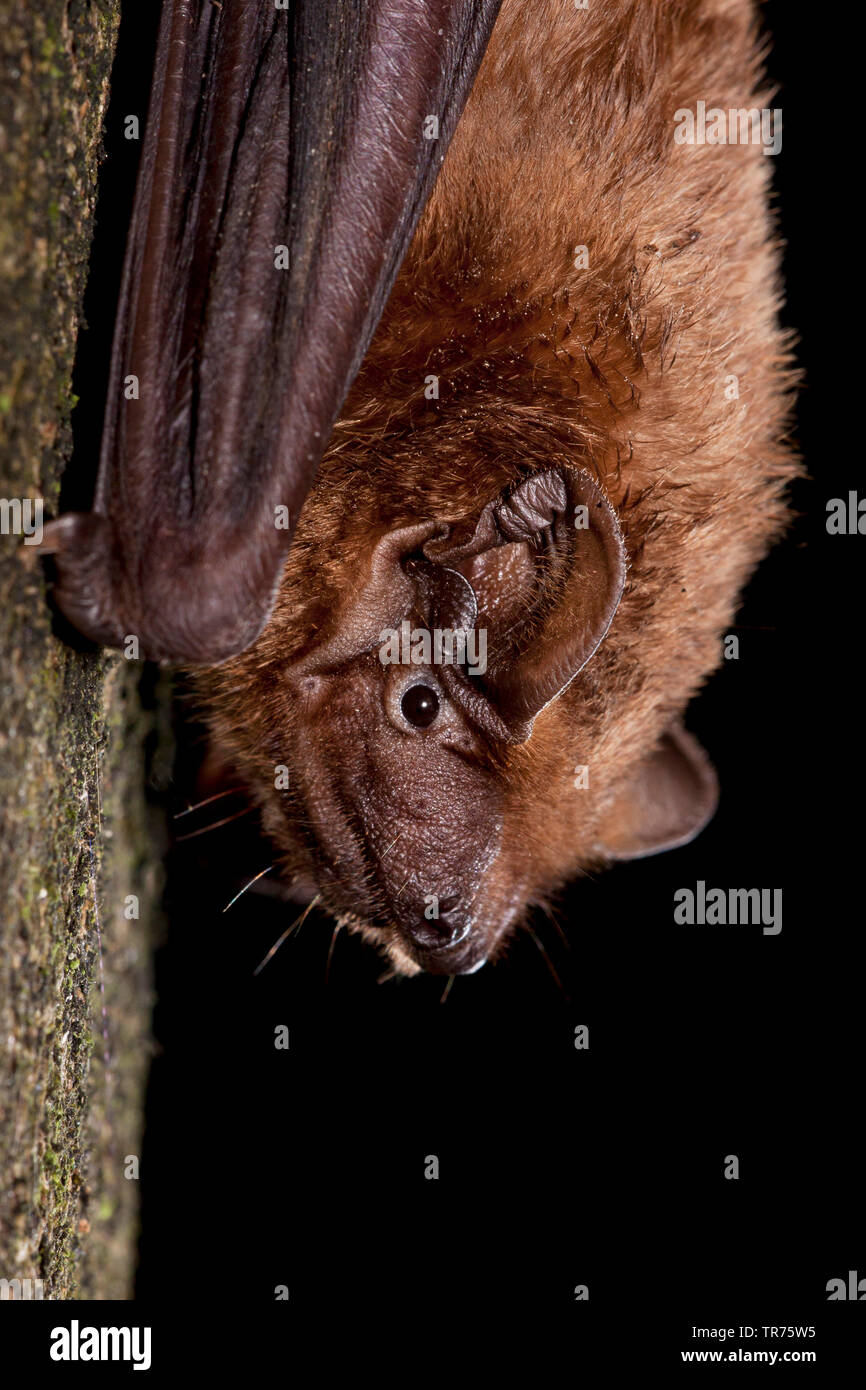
{"x":617,"y":369}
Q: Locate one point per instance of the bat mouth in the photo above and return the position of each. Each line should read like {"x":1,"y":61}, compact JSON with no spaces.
{"x":465,"y":954}
{"x":448,"y":961}
{"x":452,"y":944}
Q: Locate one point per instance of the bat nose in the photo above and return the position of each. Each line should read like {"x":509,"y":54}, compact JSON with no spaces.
{"x":448,"y":929}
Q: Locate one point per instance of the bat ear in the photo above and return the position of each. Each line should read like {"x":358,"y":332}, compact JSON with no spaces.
{"x":665,"y":801}
{"x":382,"y":595}
{"x":547,"y":565}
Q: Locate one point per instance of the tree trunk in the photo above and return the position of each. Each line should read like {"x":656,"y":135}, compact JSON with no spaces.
{"x":76,"y":849}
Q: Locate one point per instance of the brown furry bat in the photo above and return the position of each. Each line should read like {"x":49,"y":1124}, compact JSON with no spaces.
{"x":560,"y":385}
{"x":565,"y":441}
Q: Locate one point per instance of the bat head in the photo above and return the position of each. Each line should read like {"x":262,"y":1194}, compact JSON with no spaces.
{"x":415,"y":799}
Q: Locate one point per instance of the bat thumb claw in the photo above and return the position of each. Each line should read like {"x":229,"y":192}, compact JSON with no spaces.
{"x":61,"y":535}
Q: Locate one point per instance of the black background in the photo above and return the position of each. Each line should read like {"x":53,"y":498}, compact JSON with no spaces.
{"x":558,"y":1167}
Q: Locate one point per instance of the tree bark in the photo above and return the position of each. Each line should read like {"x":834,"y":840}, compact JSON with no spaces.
{"x":76,"y":847}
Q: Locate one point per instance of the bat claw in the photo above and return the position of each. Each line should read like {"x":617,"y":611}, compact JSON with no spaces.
{"x":79,"y":541}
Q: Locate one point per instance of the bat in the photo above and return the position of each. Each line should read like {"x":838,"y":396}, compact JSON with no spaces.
{"x":541,"y":482}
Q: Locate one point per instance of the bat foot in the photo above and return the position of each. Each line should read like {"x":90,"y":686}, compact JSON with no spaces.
{"x":78,"y":545}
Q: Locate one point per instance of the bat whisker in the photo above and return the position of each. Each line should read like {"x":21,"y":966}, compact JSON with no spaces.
{"x":549,"y":914}
{"x":216,"y":825}
{"x":331,"y":953}
{"x":548,"y":962}
{"x":298,"y":922}
{"x":246,"y":886}
{"x":206,"y":802}
{"x":447,"y":990}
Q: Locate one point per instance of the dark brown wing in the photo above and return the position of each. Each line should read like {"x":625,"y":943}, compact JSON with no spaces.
{"x":301,"y":129}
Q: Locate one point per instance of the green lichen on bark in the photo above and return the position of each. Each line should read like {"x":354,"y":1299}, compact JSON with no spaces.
{"x":75,"y":844}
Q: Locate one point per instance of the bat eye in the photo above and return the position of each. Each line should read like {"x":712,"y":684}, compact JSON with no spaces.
{"x":419,"y":706}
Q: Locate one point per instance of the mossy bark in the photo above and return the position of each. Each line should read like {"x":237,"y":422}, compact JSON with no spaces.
{"x":76,"y":847}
